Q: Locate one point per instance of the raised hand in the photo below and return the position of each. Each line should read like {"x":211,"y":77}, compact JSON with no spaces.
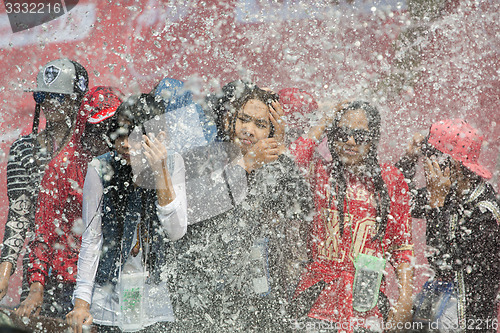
{"x":328,"y":111}
{"x":438,"y":182}
{"x":155,"y":152}
{"x":264,"y":151}
{"x":413,"y":151}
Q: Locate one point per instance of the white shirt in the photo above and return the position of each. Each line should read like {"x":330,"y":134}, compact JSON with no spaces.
{"x":104,"y":301}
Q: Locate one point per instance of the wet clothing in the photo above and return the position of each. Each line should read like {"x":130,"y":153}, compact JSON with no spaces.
{"x":117,"y":218}
{"x":24,"y":174}
{"x":234,"y":270}
{"x":464,"y":248}
{"x":59,"y":210}
{"x":463,"y":240}
{"x":32,"y":175}
{"x":58,"y":218}
{"x":332,"y":256}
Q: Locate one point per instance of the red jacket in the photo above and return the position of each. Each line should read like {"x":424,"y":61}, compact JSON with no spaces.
{"x":58,"y":224}
{"x":332,"y":256}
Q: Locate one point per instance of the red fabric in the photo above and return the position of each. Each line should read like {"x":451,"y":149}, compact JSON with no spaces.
{"x":56,"y":244}
{"x":332,"y":258}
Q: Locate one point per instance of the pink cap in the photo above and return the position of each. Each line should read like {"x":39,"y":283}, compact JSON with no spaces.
{"x":461,"y":141}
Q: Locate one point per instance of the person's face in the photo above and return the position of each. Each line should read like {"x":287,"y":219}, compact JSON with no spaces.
{"x":58,"y":109}
{"x":123,"y":145}
{"x":252,"y":125}
{"x":94,"y":139}
{"x":353,"y":141}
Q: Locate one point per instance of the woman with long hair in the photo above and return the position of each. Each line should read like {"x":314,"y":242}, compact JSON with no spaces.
{"x":362,"y":219}
{"x":233,"y":267}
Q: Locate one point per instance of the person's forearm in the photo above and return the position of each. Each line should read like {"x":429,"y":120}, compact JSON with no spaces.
{"x":14,"y":237}
{"x":5,"y":272}
{"x":401,"y":313}
{"x":36,"y":287}
{"x":164,"y":188}
{"x":405,"y":277}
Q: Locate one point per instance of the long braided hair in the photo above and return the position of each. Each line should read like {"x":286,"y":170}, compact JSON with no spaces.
{"x":337,"y":167}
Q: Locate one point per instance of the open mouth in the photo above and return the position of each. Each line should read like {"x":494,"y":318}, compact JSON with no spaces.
{"x":349,"y":152}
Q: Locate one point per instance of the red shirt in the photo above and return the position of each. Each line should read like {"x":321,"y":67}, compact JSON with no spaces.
{"x":332,"y":255}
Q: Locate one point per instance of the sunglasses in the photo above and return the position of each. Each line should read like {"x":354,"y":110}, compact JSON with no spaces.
{"x":343,"y":134}
{"x":39,"y":96}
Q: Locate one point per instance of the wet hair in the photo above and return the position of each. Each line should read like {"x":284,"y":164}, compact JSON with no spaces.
{"x":234,"y":107}
{"x":337,"y":168}
{"x":220,"y":104}
{"x":136,"y":110}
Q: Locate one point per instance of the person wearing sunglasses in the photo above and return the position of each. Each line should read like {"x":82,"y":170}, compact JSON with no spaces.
{"x":61,"y":85}
{"x":362,"y":219}
{"x":462,"y":235}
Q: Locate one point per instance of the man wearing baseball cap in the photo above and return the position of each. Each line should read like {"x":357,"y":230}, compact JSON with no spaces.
{"x":54,"y":251}
{"x":61,"y":85}
{"x":463,"y":234}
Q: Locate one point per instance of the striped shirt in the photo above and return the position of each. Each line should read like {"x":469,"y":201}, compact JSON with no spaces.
{"x":25,"y":169}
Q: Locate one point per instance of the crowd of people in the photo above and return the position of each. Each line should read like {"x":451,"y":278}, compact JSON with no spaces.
{"x":152,"y":213}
